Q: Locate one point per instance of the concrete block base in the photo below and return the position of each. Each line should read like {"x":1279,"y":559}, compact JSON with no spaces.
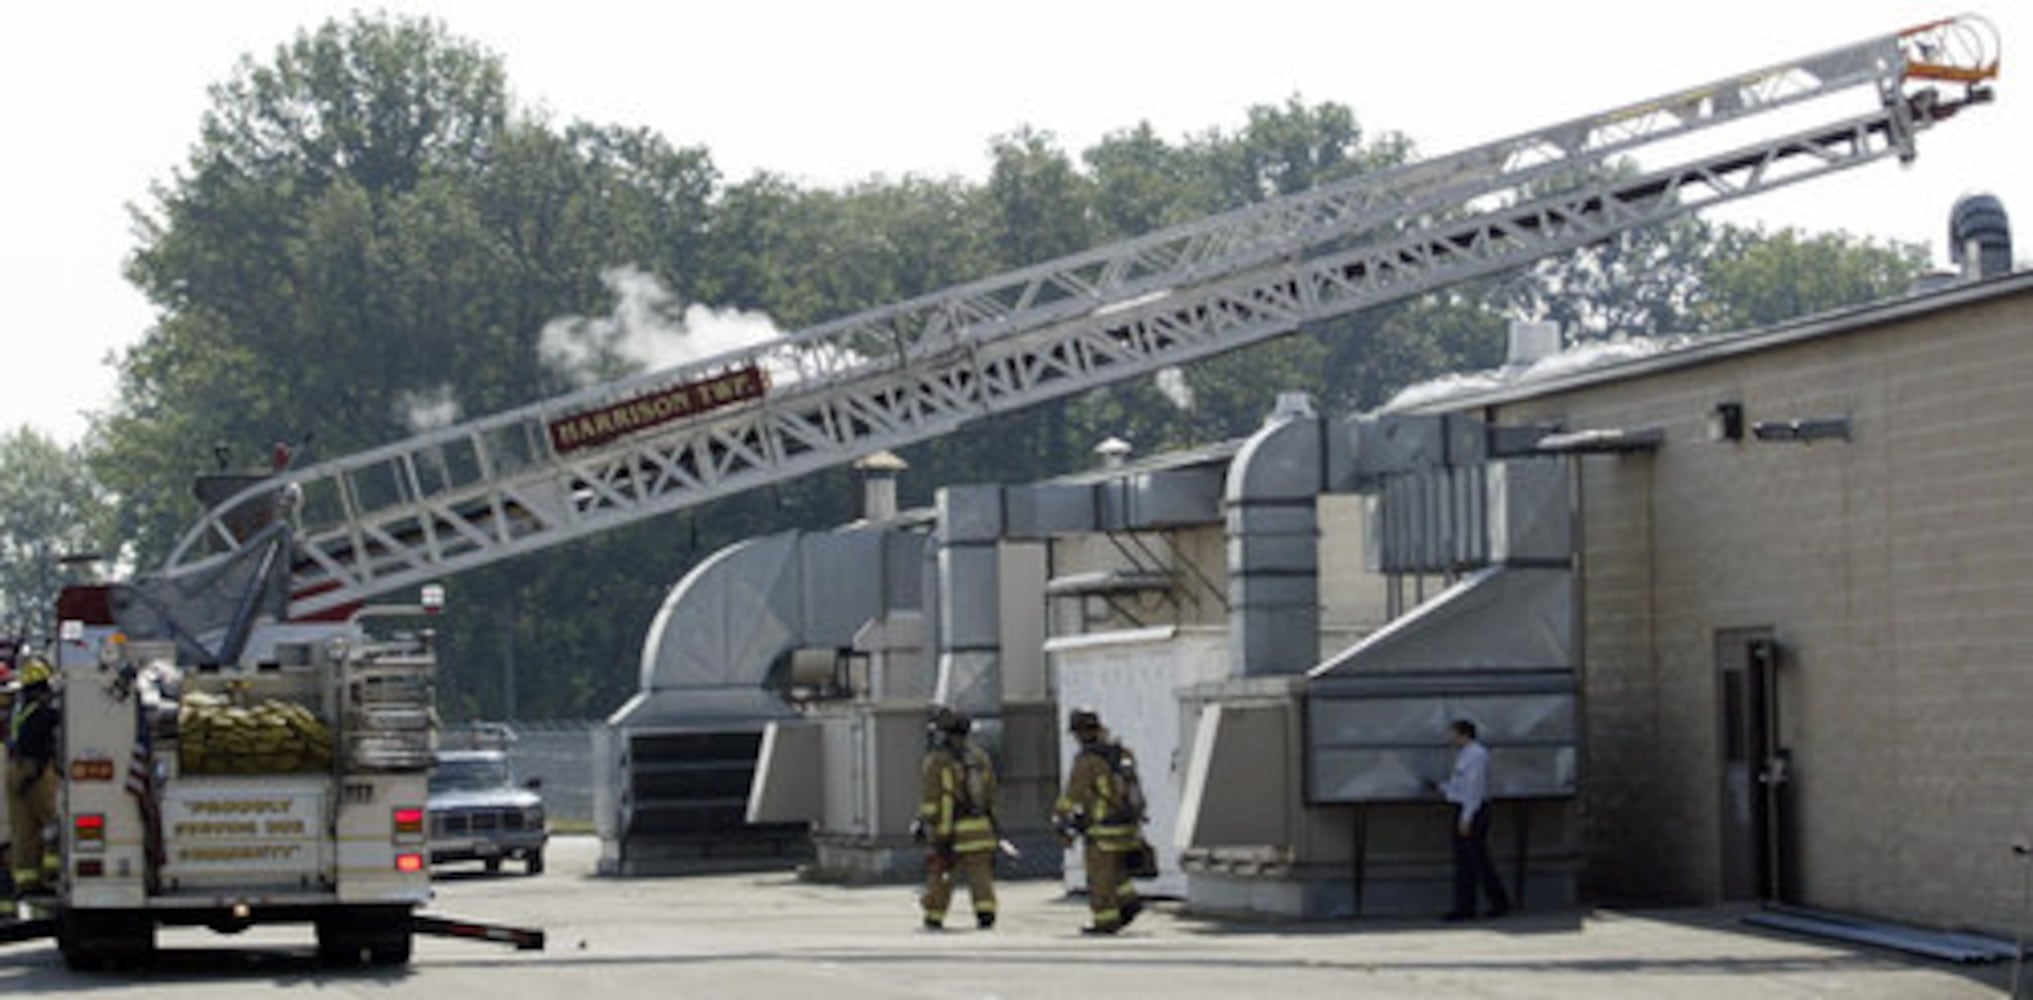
{"x":862,"y":860}
{"x":1319,"y":893}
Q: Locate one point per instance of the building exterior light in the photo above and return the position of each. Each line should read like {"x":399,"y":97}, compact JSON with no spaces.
{"x":1726,"y":422}
{"x":1801,"y":431}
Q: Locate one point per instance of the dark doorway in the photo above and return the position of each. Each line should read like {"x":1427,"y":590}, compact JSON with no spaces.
{"x":1753,"y":764}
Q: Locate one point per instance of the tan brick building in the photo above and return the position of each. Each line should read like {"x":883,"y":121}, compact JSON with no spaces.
{"x":1868,"y":533}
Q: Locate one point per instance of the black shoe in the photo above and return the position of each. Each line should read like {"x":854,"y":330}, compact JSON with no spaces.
{"x":984,"y":921}
{"x":1130,"y":910}
{"x":1099,"y":930}
{"x":934,"y":924}
{"x":1457,"y":916}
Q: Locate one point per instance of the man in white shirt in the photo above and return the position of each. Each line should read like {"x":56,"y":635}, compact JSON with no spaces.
{"x":1468,"y":789}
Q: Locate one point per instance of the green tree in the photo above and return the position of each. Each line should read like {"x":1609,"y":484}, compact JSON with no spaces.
{"x":1294,"y":147}
{"x":1642,"y":282}
{"x":50,"y":509}
{"x":275,"y":255}
{"x":1143,"y":183}
{"x":1038,"y":202}
{"x":1755,"y":279}
{"x":364,"y":224}
{"x":1689,"y":275}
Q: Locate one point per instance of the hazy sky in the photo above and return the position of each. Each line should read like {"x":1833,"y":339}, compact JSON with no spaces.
{"x":104,"y":99}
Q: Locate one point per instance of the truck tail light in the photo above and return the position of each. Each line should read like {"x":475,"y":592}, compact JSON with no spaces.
{"x":409,"y":823}
{"x":409,"y":862}
{"x":88,"y":831}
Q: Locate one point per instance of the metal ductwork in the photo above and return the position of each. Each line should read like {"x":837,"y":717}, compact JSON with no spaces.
{"x":1497,"y":646}
{"x":970,"y":594}
{"x":673,"y":766}
{"x":1430,"y":473}
{"x":850,"y":770}
{"x":975,"y":522}
{"x":1980,"y":237}
{"x":1273,"y":545}
{"x":733,"y":621}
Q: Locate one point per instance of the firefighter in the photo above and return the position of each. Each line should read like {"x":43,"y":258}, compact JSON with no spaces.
{"x":1104,"y":805}
{"x":32,"y":779}
{"x":956,"y":820}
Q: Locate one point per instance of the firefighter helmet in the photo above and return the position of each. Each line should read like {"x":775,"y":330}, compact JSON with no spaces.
{"x":35,"y":670}
{"x":949,"y":720}
{"x":1083,"y":719}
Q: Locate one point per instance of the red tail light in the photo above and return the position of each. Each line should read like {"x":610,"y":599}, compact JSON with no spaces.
{"x":88,"y":831}
{"x":409,"y":822}
{"x":409,"y":863}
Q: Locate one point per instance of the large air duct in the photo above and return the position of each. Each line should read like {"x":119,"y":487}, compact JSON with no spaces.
{"x":1273,"y":544}
{"x":672,"y":767}
{"x":1481,"y":510}
{"x":969,"y":600}
{"x":979,"y":526}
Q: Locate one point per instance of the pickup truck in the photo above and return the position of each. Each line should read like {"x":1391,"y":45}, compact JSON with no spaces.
{"x":478,"y":812}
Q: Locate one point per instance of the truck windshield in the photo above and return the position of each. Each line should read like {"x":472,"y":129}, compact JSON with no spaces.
{"x":469,"y":775}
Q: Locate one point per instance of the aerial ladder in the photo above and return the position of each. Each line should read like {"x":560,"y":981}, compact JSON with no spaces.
{"x":611,"y":455}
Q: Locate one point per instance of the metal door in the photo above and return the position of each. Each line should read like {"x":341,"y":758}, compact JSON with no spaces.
{"x":1747,"y":716}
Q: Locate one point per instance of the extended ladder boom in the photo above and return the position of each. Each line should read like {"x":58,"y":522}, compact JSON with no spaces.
{"x":544,"y":474}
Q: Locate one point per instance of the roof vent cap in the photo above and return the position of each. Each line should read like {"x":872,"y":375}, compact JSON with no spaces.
{"x":1980,"y":237}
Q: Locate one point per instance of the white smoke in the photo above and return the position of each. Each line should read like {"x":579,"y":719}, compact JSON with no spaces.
{"x":427,"y":409}
{"x":1172,"y":382}
{"x":650,"y":329}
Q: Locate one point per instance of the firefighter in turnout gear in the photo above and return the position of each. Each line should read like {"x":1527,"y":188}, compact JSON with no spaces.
{"x":1103,"y":804}
{"x":956,"y":820}
{"x":32,"y":780}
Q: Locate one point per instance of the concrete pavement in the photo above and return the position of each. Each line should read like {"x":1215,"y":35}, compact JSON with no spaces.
{"x":772,"y":936}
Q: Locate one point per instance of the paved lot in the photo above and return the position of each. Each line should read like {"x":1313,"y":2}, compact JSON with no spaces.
{"x":770,"y":936}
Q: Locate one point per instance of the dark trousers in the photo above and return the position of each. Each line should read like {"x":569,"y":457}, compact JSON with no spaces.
{"x":1472,"y":866}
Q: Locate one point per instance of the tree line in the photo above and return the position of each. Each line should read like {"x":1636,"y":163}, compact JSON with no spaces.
{"x":369,"y":238}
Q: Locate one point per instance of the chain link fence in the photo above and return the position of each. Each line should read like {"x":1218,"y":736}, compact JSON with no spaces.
{"x":557,"y":751}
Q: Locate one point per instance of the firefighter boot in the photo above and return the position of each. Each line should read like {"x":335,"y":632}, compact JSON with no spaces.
{"x":1130,"y":909}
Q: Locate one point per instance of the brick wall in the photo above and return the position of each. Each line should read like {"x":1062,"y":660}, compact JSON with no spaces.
{"x":1897,"y":571}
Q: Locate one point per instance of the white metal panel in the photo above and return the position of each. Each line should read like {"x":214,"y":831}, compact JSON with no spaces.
{"x":1132,"y":679}
{"x":788,"y":773}
{"x":1239,"y":754}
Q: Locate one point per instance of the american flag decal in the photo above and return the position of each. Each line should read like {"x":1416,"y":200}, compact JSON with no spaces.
{"x":140,"y":784}
{"x":142,"y":761}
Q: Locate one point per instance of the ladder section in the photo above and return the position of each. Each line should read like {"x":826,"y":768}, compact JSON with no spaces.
{"x":499,"y":486}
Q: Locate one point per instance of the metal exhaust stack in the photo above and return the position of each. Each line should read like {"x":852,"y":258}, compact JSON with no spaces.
{"x":1980,"y":237}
